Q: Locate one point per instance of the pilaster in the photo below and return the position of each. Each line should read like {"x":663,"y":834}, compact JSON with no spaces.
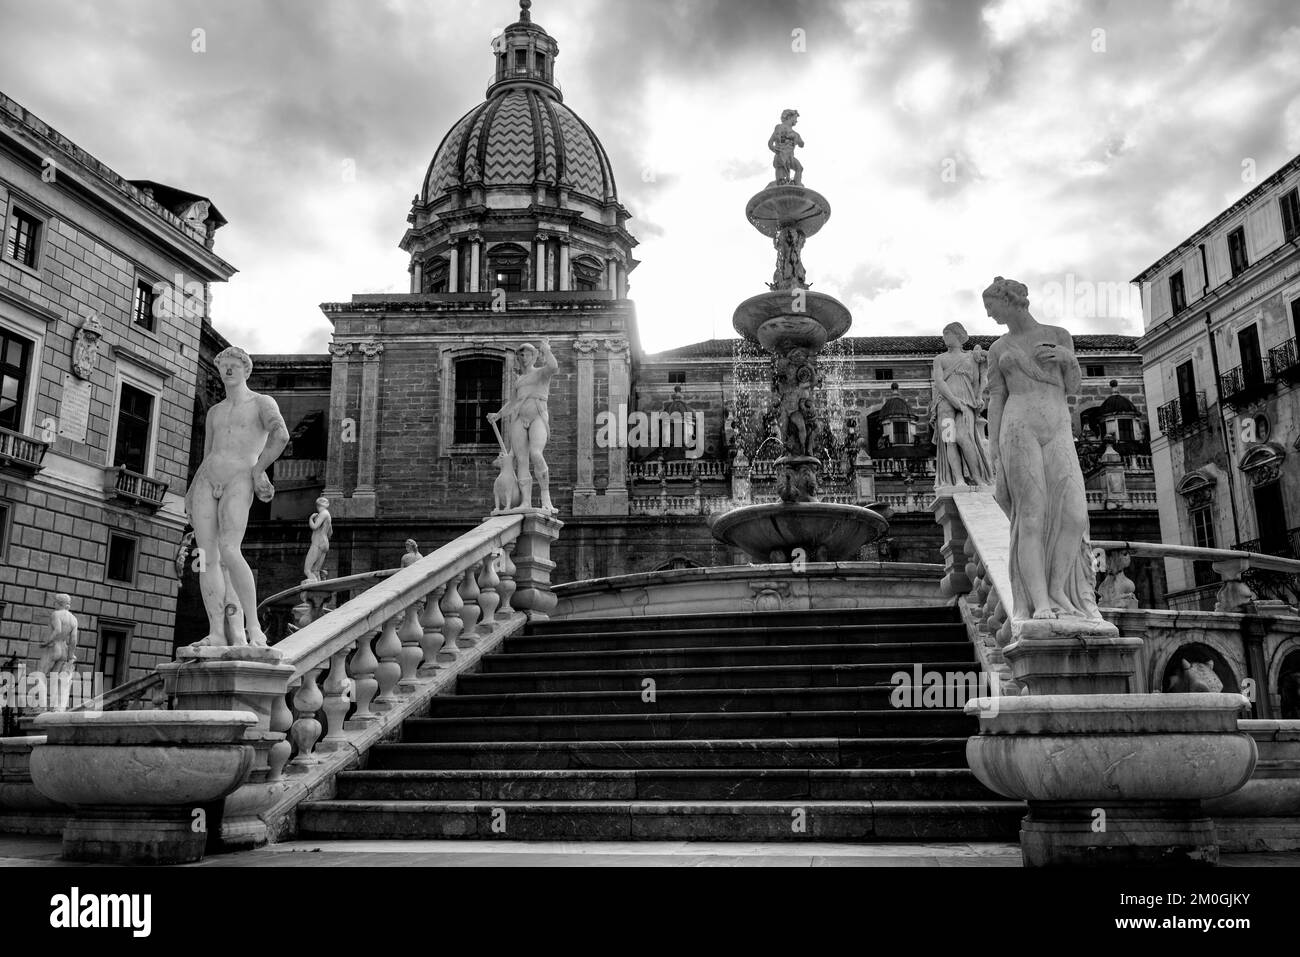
{"x":339,"y":368}
{"x":364,"y":496}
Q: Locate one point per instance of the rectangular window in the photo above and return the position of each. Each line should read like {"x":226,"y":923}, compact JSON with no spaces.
{"x":511,"y":280}
{"x":121,"y":559}
{"x":1252,"y":362}
{"x":677,"y":378}
{"x":1202,"y":518}
{"x":114,"y":654}
{"x":15,"y":370}
{"x":478,"y":392}
{"x":1237,"y":251}
{"x":1177,"y":292}
{"x":1095,"y":371}
{"x":521,"y":60}
{"x":884,"y":375}
{"x":1290,"y":204}
{"x":21,"y":238}
{"x":1125,"y":430}
{"x":1295,"y":317}
{"x":900,"y":433}
{"x":134,"y":428}
{"x":142,"y":311}
{"x":540,"y":60}
{"x":4,"y":529}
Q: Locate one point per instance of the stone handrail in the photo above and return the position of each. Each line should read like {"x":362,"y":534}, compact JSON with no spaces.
{"x":1117,"y":591}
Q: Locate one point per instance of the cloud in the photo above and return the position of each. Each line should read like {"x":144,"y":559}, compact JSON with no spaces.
{"x":954,"y":140}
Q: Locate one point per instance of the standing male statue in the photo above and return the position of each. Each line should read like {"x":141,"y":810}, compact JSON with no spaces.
{"x":59,"y":652}
{"x":243,"y":436}
{"x":782,"y":143}
{"x":527,"y":424}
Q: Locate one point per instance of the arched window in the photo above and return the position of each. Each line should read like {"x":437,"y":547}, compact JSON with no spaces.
{"x":478,"y":392}
{"x":507,"y":267}
{"x":587,"y":274}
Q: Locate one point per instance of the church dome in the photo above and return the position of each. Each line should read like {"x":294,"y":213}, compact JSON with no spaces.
{"x":1116,"y":404}
{"x":521,"y":136}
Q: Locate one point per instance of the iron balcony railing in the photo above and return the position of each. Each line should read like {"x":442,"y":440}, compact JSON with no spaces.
{"x":1288,"y":547}
{"x":1244,"y":384}
{"x":137,"y":489}
{"x":1284,"y":360}
{"x":1183,"y":415}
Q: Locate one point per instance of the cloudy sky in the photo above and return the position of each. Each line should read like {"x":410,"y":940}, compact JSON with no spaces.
{"x":1054,"y":141}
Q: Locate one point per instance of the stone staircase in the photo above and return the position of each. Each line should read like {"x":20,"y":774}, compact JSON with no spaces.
{"x":761,"y":727}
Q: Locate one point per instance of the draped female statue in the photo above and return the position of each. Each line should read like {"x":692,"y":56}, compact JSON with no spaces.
{"x":1038,"y":483}
{"x":958,"y":382}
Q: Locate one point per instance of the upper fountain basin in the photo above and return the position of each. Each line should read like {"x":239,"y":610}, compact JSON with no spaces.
{"x":787,"y":205}
{"x":826,"y":531}
{"x":798,"y":317}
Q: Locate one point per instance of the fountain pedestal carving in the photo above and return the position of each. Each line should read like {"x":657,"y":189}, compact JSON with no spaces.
{"x":793,"y":323}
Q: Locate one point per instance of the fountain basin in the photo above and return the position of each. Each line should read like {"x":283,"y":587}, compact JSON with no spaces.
{"x":788,"y":205}
{"x":826,"y":531}
{"x":771,"y":318}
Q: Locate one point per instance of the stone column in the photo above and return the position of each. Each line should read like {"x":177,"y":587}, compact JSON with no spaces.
{"x":475,"y":245}
{"x":584,"y":490}
{"x":417,"y":278}
{"x":551,"y":280}
{"x":540,"y":263}
{"x":616,"y":493}
{"x":564,"y":265}
{"x":453,"y":270}
{"x":611,"y":277}
{"x":368,"y":428}
{"x":864,"y":476}
{"x":338,"y":410}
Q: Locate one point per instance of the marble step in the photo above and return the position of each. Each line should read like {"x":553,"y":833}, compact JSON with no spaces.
{"x":642,"y":658}
{"x":879,"y":752}
{"x":681,"y":679}
{"x":849,"y":821}
{"x":878,"y":697}
{"x":747,"y":619}
{"x":953,"y":632}
{"x":720,"y":784}
{"x":607,"y":727}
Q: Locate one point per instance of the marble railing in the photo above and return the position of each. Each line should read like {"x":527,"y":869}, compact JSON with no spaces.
{"x":1234,"y":568}
{"x":684,"y":470}
{"x":678,"y":504}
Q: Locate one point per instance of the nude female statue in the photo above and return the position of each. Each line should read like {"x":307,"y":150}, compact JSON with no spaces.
{"x":958,"y":381}
{"x":527,"y":422}
{"x":322,"y":526}
{"x":1038,"y":483}
{"x":243,"y":436}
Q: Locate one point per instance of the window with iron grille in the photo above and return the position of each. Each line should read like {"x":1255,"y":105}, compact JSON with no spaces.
{"x":134,"y":429}
{"x":1237,"y":251}
{"x":15,"y":367}
{"x":478,"y":392}
{"x":1290,"y":204}
{"x":21,"y":237}
{"x":142,"y":311}
{"x":1177,"y":292}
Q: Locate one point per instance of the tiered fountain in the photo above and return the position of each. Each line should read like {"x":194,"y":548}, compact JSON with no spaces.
{"x":793,"y":323}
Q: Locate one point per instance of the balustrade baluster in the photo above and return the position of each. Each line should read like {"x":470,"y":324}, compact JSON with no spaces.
{"x":364,"y":686}
{"x":451,"y":607}
{"x":388,"y":649}
{"x":506,"y":572}
{"x":281,"y":720}
{"x":489,"y":599}
{"x":431,"y":622}
{"x":411,"y":635}
{"x":306,"y":728}
{"x":470,"y":611}
{"x":336,"y":702}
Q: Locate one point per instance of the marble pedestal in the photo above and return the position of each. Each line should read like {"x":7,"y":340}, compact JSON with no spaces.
{"x":1113,"y":778}
{"x":1071,"y":656}
{"x":140,"y":783}
{"x":241,"y":679}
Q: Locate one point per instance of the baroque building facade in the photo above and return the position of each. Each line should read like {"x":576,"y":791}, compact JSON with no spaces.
{"x":103,"y":297}
{"x":1220,"y":360}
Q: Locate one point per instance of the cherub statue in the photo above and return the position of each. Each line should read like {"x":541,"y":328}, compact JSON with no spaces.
{"x":782,"y":143}
{"x":322,"y":527}
{"x":59,"y":653}
{"x":244,"y":434}
{"x":527,"y":422}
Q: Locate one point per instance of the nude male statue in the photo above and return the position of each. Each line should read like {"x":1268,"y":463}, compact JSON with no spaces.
{"x":59,"y":654}
{"x":244,"y":434}
{"x":527,"y":423}
{"x":782,"y":143}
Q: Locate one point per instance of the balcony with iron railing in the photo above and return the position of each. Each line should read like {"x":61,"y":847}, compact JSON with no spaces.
{"x":1245,"y":384}
{"x":134,"y":488}
{"x":1287,"y":546}
{"x":21,"y":453}
{"x":1184,"y":415}
{"x":1284,"y":361}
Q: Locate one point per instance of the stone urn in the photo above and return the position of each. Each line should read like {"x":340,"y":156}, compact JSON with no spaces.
{"x":140,"y":784}
{"x":1113,"y":778}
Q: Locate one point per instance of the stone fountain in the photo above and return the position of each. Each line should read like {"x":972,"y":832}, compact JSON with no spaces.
{"x":793,"y":323}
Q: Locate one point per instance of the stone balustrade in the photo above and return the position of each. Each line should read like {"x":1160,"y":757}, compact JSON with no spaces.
{"x":685,"y":470}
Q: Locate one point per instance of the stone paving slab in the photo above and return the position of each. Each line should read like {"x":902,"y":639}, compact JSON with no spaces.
{"x":22,"y":851}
